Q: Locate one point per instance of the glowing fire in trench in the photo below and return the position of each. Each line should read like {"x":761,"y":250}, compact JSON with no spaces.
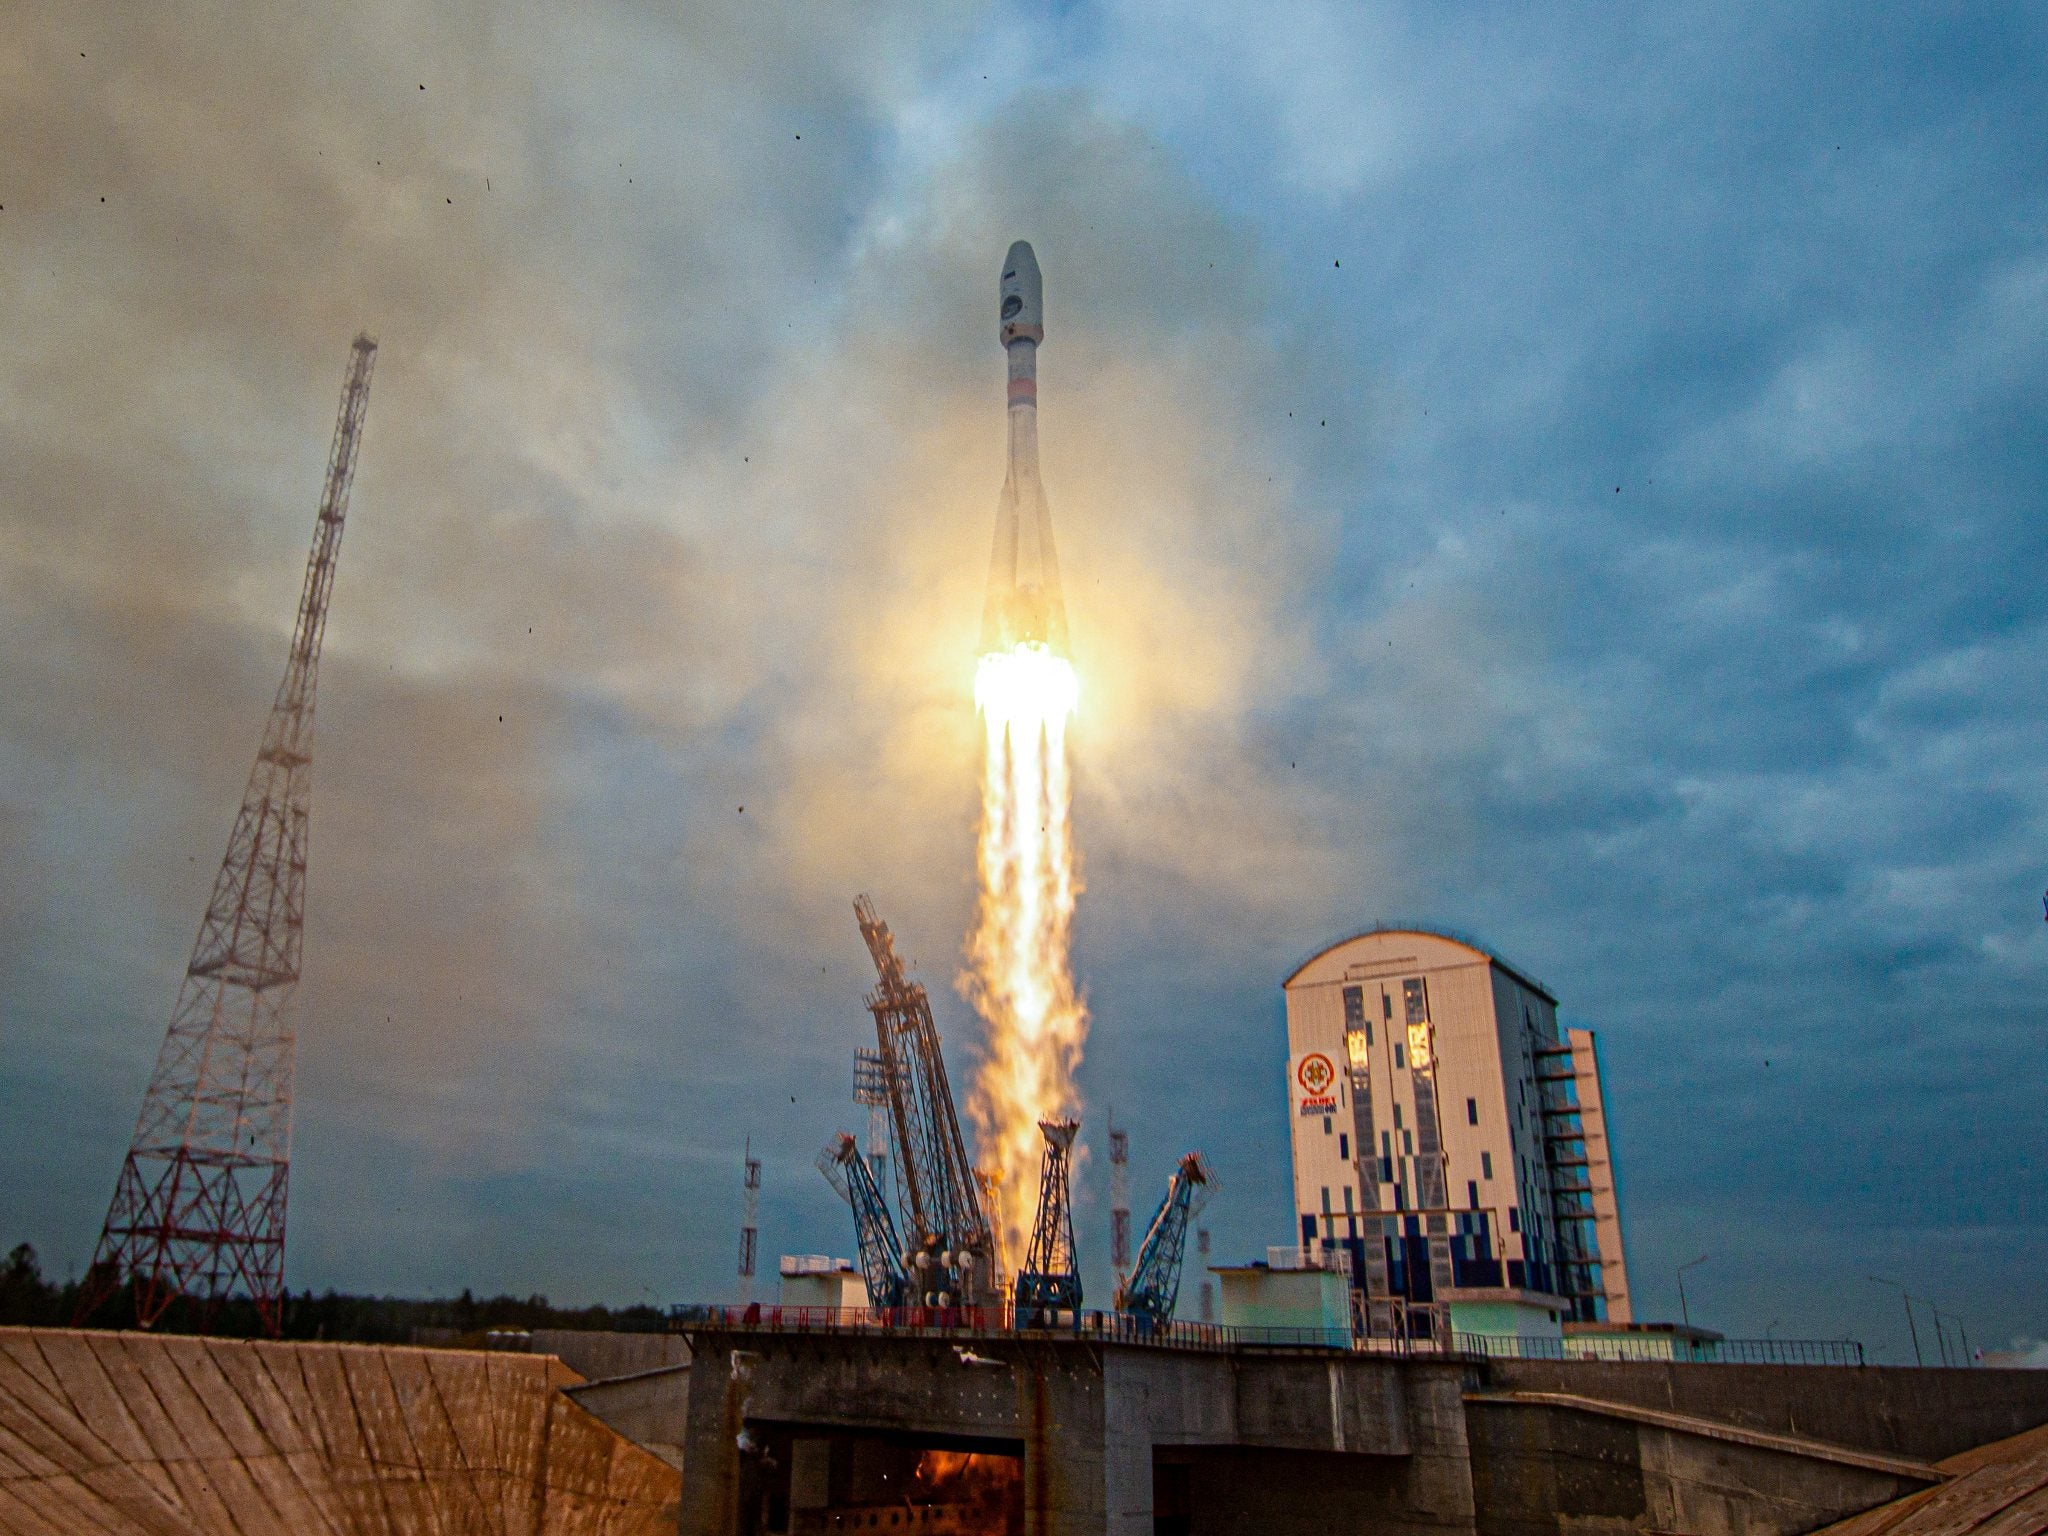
{"x":1020,"y":977}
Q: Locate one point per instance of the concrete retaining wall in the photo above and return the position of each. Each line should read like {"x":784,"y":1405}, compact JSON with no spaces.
{"x":1111,"y":1437}
{"x":1923,"y":1415}
{"x":597,"y":1356}
{"x":1541,"y":1470}
{"x":651,"y":1409}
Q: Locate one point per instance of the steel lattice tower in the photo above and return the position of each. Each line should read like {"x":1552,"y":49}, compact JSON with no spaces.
{"x":1050,"y":1279}
{"x":943,"y":1206}
{"x":199,"y":1210}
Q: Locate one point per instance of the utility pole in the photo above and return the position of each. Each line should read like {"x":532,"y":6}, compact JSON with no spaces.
{"x":1685,"y":1312}
{"x":199,"y":1209}
{"x":1961,"y":1333}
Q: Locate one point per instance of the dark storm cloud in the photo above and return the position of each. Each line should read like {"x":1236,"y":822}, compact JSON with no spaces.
{"x":1572,"y":477}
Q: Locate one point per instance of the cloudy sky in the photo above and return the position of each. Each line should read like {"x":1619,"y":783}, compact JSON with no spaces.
{"x":1569,"y":474}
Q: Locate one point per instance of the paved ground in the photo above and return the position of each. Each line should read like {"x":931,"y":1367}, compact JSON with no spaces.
{"x":1995,"y":1490}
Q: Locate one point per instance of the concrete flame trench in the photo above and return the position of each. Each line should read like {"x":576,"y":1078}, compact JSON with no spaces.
{"x":1131,"y":1439}
{"x":1088,"y":1419}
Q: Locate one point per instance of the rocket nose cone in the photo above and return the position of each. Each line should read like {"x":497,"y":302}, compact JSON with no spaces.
{"x":1022,"y":313}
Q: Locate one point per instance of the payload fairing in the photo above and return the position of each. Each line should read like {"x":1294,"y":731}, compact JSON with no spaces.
{"x":1024,"y":605}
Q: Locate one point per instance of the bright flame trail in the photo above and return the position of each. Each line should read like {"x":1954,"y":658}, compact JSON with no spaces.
{"x":1018,"y":972}
{"x":1020,"y":977}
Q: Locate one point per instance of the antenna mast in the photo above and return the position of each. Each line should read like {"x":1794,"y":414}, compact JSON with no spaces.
{"x":199,"y":1209}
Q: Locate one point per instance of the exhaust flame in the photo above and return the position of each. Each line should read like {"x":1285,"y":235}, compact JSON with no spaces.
{"x":1019,"y":976}
{"x":970,"y":1493}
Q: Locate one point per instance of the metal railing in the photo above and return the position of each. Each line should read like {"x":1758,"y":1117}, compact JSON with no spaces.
{"x":1661,"y":1349}
{"x":1004,"y":1321}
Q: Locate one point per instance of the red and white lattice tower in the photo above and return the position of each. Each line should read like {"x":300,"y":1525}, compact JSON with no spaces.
{"x":750,"y":1223}
{"x":199,"y":1209}
{"x":1119,"y":1201}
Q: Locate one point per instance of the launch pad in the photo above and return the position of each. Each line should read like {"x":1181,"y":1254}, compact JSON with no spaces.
{"x":782,"y":1417}
{"x":796,"y":1429}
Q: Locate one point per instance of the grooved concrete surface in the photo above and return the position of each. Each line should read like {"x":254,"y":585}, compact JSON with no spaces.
{"x":1995,"y":1490}
{"x":130,"y":1434}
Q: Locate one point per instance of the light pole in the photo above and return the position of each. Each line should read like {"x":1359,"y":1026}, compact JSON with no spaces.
{"x":1684,"y":1311}
{"x":1961,"y":1332}
{"x":1911,"y":1328}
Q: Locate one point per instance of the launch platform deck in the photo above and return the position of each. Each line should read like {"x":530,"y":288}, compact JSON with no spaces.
{"x":1123,"y":1435}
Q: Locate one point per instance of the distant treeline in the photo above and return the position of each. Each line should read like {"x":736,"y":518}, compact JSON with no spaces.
{"x":27,"y":1299}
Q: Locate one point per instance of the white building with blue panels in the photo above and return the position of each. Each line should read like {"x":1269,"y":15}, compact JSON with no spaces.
{"x":1450,"y":1144}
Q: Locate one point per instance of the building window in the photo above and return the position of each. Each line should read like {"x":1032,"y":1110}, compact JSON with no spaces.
{"x":1486,"y":1164}
{"x":1472,"y":1193}
{"x":1386,"y":1163}
{"x":1348,"y":1207}
{"x":1344,"y":1146}
{"x":1326,"y":1199}
{"x":1387,"y":1006}
{"x":1386,"y":1149}
{"x":1471,"y":1111}
{"x":1400,"y":1056}
{"x":1397,"y":1117}
{"x":1514,"y":1219}
{"x":1415,"y":1000}
{"x":1354,"y":1008}
{"x":1326,"y":1125}
{"x":1408,"y":1142}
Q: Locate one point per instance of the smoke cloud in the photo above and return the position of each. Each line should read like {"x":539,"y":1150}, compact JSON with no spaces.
{"x":1576,"y":485}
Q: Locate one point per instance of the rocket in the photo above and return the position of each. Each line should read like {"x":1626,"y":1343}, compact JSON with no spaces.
{"x":1024,"y":605}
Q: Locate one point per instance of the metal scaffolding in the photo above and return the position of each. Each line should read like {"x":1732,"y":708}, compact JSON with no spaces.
{"x":952,"y":1258}
{"x":1049,"y":1280}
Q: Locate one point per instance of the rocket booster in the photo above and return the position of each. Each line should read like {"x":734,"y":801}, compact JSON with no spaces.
{"x":1024,"y":605}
